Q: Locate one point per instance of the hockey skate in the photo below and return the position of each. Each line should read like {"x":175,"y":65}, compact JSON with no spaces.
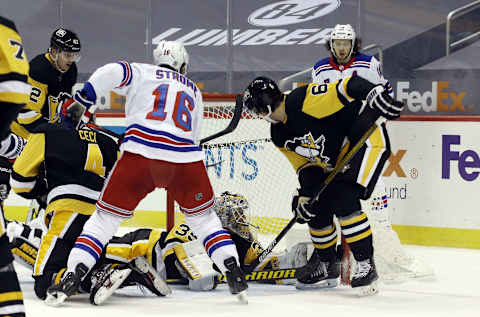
{"x":69,"y":285}
{"x":318,"y":274}
{"x":106,"y":280}
{"x":365,"y":278}
{"x":236,"y":280}
{"x":145,"y":275}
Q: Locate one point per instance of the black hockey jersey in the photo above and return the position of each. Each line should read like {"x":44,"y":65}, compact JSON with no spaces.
{"x":47,"y":86}
{"x":328,"y":118}
{"x":75,"y":163}
{"x":319,"y":117}
{"x":13,"y":75}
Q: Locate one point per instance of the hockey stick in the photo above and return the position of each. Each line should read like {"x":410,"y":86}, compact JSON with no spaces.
{"x":237,"y":114}
{"x":256,"y":276}
{"x":339,"y":167}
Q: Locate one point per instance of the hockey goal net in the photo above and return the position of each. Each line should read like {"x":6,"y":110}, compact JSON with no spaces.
{"x":246,"y":162}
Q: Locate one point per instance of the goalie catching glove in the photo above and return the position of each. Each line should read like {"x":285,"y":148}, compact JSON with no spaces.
{"x":302,"y":209}
{"x":379,"y":99}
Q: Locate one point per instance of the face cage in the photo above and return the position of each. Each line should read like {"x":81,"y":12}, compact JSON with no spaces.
{"x":231,"y":210}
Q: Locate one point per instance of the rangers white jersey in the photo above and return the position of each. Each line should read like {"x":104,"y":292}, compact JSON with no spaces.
{"x":328,"y":71}
{"x":163,"y":110}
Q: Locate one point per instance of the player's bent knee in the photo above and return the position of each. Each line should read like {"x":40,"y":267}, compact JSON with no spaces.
{"x":42,"y":283}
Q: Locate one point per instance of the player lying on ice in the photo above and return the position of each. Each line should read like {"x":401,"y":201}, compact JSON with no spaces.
{"x":176,"y":256}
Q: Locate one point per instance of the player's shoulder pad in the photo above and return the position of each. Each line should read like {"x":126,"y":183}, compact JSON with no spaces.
{"x":323,"y":61}
{"x":294,"y":100}
{"x":360,"y":57}
{"x":41,"y":69}
{"x":8,"y":23}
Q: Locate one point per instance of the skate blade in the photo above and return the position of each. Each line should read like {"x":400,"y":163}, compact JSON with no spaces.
{"x":325,"y":284}
{"x":367,"y":290}
{"x":105,"y":292}
{"x":55,"y":299}
{"x":242,"y":297}
{"x":159,"y":283}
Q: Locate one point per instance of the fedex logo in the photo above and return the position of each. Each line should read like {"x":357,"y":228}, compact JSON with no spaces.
{"x":467,"y":160}
{"x":438,"y":99}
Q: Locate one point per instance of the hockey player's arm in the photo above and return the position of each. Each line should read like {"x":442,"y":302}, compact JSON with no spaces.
{"x":30,"y":117}
{"x":377,"y":98}
{"x":24,"y":180}
{"x":376,"y":76}
{"x":102,"y":81}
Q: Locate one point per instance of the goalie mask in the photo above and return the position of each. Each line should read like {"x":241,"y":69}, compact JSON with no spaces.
{"x":262,"y":97}
{"x":342,"y":32}
{"x":171,"y":54}
{"x":232,"y":211}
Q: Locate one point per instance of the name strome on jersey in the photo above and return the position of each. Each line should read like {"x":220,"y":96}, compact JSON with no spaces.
{"x":163,"y":112}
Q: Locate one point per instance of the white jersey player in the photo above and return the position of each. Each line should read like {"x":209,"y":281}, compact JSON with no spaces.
{"x":161,"y":149}
{"x":346,"y":60}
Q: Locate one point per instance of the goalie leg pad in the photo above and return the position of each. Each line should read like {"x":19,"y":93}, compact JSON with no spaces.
{"x":196,"y":263}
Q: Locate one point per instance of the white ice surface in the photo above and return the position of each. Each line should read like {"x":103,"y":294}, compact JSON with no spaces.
{"x":454,"y":292}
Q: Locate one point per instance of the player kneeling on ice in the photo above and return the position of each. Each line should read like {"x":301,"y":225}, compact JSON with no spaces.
{"x":179,"y":263}
{"x":163,"y":114}
{"x":314,"y":127}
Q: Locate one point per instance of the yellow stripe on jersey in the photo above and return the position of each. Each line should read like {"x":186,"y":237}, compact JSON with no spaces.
{"x":13,"y":97}
{"x":11,"y":296}
{"x":319,"y":232}
{"x":359,"y":236}
{"x":12,"y":55}
{"x":59,"y":225}
{"x":19,"y":130}
{"x":35,"y":102}
{"x":28,"y":163}
{"x":128,"y":252}
{"x":352,"y":220}
{"x":73,"y":205}
{"x":376,"y":146}
{"x":320,"y":104}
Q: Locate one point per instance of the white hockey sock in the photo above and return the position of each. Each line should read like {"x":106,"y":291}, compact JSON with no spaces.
{"x":97,"y":231}
{"x":216,"y":240}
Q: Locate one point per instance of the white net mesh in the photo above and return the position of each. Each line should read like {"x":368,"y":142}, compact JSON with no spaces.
{"x":246,"y":162}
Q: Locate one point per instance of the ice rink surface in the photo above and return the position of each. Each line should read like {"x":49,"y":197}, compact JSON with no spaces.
{"x":453,"y":292}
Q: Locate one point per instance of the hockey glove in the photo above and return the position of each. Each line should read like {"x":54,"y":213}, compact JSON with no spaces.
{"x":76,"y":111}
{"x":379,"y":99}
{"x":302,"y":209}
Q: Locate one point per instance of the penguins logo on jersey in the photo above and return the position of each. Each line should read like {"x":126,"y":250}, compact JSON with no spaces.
{"x":312,"y":148}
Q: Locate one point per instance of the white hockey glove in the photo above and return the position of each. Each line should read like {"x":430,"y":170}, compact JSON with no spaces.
{"x":378,"y":98}
{"x":302,"y":209}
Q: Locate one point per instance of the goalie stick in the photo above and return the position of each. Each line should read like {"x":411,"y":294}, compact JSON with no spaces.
{"x":339,"y":167}
{"x":237,"y":114}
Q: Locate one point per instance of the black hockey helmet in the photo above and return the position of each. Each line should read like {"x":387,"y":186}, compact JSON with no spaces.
{"x":65,"y":40}
{"x":262,"y":96}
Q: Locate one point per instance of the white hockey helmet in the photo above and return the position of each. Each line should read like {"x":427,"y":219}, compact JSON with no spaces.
{"x":342,"y":32}
{"x":172,"y":54}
